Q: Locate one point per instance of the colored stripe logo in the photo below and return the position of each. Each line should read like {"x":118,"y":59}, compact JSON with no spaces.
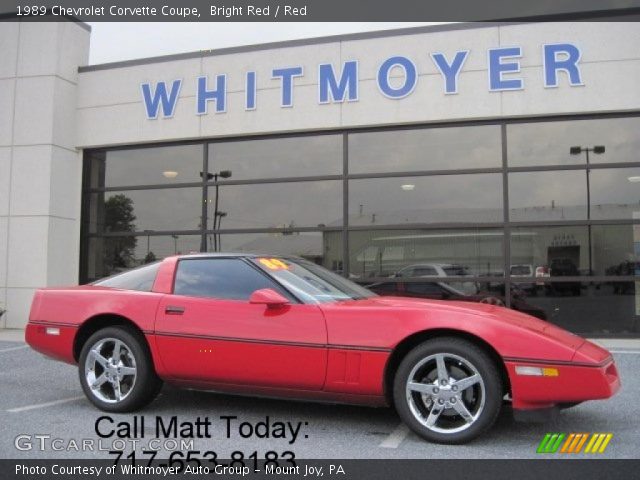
{"x":574,"y":443}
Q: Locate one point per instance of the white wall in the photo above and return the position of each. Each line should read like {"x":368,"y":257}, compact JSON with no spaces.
{"x":40,"y":167}
{"x":110,"y":108}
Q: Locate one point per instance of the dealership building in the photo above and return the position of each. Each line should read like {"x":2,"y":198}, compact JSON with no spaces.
{"x":505,"y":156}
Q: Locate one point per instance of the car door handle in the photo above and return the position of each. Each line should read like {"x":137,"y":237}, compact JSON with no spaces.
{"x":173,"y":310}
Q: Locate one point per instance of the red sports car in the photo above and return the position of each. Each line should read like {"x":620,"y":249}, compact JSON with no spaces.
{"x":287,"y":327}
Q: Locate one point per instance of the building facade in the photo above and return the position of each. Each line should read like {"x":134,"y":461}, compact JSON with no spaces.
{"x":499,"y":160}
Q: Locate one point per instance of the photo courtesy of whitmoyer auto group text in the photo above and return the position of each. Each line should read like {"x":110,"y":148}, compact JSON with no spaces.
{"x":337,"y":239}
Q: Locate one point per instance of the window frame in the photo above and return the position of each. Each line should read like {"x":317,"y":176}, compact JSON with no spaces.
{"x":504,"y":224}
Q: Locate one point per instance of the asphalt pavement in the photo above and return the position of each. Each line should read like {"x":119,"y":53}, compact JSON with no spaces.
{"x":42,"y":405}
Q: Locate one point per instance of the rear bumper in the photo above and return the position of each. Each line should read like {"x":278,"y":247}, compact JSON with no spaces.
{"x":53,"y":340}
{"x":575,"y":382}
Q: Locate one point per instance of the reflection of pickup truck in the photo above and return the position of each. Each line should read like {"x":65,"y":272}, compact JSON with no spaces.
{"x":524,"y":271}
{"x":564,"y":267}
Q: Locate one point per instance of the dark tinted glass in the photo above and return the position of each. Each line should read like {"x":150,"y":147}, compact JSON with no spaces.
{"x":541,"y":196}
{"x":615,"y":193}
{"x":551,"y":252}
{"x":539,"y":249}
{"x":277,"y":205}
{"x":384,"y":253}
{"x":425,"y":149}
{"x":278,"y":157}
{"x":230,"y":279}
{"x":616,"y":250}
{"x":475,"y":198}
{"x":141,"y":278}
{"x":140,"y":210}
{"x":590,"y":308}
{"x":145,"y":166}
{"x":548,"y":143}
{"x":110,"y":255}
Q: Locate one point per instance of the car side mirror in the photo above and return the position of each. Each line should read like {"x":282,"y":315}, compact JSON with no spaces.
{"x":268,"y":297}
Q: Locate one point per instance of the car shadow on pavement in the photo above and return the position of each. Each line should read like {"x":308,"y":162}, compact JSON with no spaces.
{"x":198,"y":402}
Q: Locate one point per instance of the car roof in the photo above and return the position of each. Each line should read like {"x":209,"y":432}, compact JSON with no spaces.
{"x":232,"y":255}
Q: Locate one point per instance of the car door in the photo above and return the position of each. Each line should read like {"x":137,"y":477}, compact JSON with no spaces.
{"x":207,"y":331}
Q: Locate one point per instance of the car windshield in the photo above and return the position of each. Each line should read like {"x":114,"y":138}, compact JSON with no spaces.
{"x":312,"y":283}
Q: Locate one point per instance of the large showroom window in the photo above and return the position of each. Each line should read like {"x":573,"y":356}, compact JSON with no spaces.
{"x":540,"y":215}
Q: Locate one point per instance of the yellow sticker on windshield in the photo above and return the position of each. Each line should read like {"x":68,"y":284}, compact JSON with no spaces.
{"x":274,"y":264}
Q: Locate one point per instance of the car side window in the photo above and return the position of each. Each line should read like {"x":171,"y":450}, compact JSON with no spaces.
{"x":407,"y":272}
{"x":425,"y":272}
{"x":140,"y":279}
{"x":222,"y":278}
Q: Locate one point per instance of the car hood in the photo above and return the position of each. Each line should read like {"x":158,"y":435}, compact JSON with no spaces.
{"x":480,"y":310}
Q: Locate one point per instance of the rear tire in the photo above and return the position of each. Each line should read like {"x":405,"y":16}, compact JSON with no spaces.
{"x":448,"y":390}
{"x":116,"y":370}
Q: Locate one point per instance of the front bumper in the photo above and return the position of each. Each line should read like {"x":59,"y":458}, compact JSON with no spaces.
{"x":575,"y":382}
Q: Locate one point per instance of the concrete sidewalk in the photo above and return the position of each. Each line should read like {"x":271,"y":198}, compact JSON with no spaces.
{"x":17,"y":335}
{"x":11,"y":335}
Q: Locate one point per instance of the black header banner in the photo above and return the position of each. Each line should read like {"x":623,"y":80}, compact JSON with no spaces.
{"x":316,"y":10}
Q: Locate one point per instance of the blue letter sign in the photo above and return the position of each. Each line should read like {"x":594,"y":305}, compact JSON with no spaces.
{"x":410,"y":77}
{"x":219,"y":94}
{"x":330,"y":87}
{"x":450,"y":71}
{"x":153,"y":100}
{"x":568,"y":64}
{"x":497,"y":68}
{"x":396,"y":78}
{"x":287,"y":75}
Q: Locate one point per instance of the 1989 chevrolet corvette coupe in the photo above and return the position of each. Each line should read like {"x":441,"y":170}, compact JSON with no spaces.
{"x":289,"y":328}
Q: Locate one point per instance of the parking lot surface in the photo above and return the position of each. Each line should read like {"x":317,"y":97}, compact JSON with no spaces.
{"x":41,"y":397}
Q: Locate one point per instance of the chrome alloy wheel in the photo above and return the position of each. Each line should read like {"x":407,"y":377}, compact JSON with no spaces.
{"x":110,"y":370}
{"x":445,"y":393}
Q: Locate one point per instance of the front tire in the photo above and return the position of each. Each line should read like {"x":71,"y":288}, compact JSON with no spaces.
{"x":116,"y":370}
{"x":448,"y":390}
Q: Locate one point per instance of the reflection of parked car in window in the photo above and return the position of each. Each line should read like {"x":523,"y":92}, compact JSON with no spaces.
{"x":442,"y":291}
{"x":564,"y":267}
{"x":524,"y":271}
{"x":439,"y":270}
